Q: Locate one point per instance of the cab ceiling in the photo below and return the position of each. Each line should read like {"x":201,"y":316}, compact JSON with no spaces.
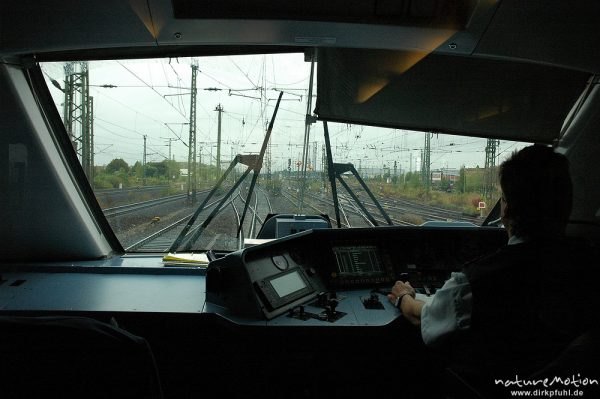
{"x":555,"y":32}
{"x":452,"y":14}
{"x":446,"y":94}
{"x":498,"y":65}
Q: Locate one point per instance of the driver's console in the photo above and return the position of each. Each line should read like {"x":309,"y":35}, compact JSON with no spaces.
{"x":339,"y":276}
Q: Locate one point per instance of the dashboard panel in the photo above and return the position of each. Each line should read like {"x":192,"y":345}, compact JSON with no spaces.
{"x":319,"y":274}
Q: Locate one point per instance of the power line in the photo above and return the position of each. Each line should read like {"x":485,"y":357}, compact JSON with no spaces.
{"x":158,"y":152}
{"x":216,"y":80}
{"x":116,"y":134}
{"x":124,"y":128}
{"x":243,"y":73}
{"x":128,"y":107}
{"x":151,"y":88}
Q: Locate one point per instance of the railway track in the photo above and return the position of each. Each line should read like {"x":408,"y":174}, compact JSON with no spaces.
{"x":403,"y":206}
{"x":380,"y":220}
{"x":426,"y":211}
{"x":268,"y":200}
{"x":113,"y":191}
{"x":351,"y":214}
{"x":395,"y":209}
{"x":457,"y":215}
{"x":162,"y":240}
{"x":294,"y":200}
{"x":398,"y":207}
{"x":237,"y":215}
{"x":136,"y":206}
{"x":256,"y":210}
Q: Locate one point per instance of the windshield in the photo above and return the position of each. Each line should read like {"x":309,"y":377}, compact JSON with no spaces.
{"x":156,"y":137}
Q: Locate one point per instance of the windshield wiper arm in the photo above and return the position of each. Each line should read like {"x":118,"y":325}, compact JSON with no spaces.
{"x":259,"y":162}
{"x":254,"y":163}
{"x":210,"y":217}
{"x":335,"y":170}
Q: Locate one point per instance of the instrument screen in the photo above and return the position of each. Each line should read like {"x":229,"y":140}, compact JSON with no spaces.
{"x":359,"y":261}
{"x":287,"y":284}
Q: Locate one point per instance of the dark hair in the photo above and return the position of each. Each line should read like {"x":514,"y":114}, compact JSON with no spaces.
{"x":537,"y":187}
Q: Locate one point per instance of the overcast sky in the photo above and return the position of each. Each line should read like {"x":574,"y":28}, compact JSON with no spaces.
{"x":152,"y":98}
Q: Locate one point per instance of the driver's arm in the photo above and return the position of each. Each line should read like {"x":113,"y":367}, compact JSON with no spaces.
{"x":448,"y":312}
{"x":408,"y":305}
{"x":411,"y":309}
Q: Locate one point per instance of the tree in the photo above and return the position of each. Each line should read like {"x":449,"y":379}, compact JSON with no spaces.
{"x":116,"y":165}
{"x":160,"y":169}
{"x":151,"y":170}
{"x":173,"y":169}
{"x":136,"y":169}
{"x":446,"y":185}
{"x":413,"y":180}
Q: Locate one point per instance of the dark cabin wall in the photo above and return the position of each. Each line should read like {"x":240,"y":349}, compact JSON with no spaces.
{"x":39,"y":219}
{"x":581,"y":144}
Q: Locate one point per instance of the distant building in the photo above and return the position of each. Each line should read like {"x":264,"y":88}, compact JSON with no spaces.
{"x":436,"y":176}
{"x":369,"y":173}
{"x":445,"y":174}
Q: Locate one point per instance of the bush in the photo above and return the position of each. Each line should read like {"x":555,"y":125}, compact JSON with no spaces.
{"x":100,"y":183}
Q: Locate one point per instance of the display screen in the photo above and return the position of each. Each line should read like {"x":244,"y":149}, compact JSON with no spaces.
{"x":288,"y":284}
{"x":358,"y":261}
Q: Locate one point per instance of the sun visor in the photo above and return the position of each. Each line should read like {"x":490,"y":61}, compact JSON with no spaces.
{"x":446,"y":94}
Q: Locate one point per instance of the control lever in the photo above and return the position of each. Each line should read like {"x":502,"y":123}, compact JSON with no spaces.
{"x":372,"y":302}
{"x":299,"y":313}
{"x":323,"y":298}
{"x":330,"y":308}
{"x":427,"y":290}
{"x":330,"y":314}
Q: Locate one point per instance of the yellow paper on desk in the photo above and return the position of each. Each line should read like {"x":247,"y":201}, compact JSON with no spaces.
{"x":187,"y":257}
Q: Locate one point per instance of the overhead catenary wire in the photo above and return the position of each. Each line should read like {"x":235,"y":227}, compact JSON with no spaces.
{"x":130,"y":108}
{"x":150,"y":87}
{"x":444,"y":149}
{"x":243,"y":73}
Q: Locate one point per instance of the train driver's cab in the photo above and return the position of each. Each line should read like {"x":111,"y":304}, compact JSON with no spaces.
{"x":221,"y":195}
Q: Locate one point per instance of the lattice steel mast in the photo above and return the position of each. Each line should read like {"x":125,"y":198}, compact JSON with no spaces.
{"x":191,"y":181}
{"x":78,"y":114}
{"x":490,"y":167}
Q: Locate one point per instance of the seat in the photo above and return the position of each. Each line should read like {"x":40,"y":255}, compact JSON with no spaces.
{"x":74,"y":357}
{"x":457,"y":387}
{"x":579,"y":360}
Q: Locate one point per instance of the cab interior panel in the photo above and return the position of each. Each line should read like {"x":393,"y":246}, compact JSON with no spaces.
{"x":224,"y":198}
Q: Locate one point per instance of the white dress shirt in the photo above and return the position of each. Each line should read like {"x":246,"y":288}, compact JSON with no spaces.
{"x":451,"y":307}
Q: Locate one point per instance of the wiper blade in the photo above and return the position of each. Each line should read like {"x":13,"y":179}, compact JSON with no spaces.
{"x":210,"y":217}
{"x":259,"y":163}
{"x":335,"y":170}
{"x":254,"y":163}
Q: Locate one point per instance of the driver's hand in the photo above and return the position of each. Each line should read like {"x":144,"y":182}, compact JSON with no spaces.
{"x":400,"y":289}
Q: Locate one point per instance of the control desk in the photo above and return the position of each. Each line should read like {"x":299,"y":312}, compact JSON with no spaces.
{"x":339,"y":277}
